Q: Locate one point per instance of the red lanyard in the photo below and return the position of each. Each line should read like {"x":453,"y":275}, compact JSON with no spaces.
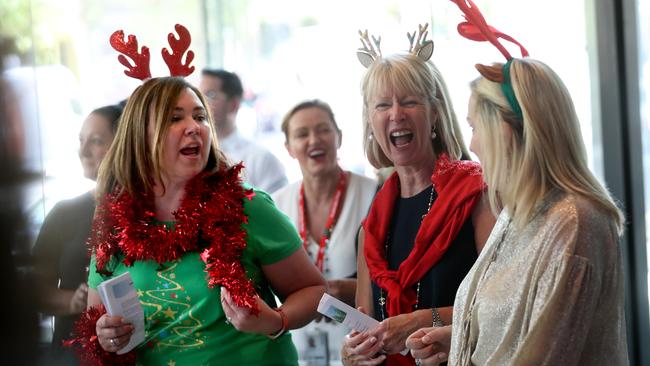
{"x":331,"y":219}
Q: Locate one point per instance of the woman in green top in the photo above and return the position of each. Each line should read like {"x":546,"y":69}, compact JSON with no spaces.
{"x":206,"y":254}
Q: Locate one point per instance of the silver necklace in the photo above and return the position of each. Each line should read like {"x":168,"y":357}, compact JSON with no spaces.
{"x":382,"y":298}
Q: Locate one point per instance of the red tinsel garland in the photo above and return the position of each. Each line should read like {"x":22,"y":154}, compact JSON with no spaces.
{"x":86,"y":344}
{"x":212,"y":212}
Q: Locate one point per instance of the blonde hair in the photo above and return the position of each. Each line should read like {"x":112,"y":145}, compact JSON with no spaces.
{"x":409,"y":74}
{"x":132,"y":162}
{"x":524,"y":160}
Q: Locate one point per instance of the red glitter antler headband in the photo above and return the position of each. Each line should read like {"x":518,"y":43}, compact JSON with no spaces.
{"x":139,"y":68}
{"x":476,"y":28}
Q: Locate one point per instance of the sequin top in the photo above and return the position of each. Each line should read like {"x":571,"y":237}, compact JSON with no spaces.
{"x":548,"y":294}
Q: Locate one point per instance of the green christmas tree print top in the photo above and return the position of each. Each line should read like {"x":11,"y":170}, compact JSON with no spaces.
{"x":184,"y":321}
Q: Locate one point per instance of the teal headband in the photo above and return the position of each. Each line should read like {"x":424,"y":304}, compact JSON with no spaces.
{"x":506,"y":87}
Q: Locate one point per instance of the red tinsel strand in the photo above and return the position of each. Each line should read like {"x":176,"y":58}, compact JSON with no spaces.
{"x":86,"y":344}
{"x":212,"y":210}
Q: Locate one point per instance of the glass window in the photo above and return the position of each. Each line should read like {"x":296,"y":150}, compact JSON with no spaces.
{"x":63,"y":67}
{"x":644,"y":88}
{"x":287,"y":51}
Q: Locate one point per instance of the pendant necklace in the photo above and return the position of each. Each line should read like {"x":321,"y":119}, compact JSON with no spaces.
{"x":382,"y":298}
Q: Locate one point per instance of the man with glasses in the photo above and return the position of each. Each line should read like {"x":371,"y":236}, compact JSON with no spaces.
{"x":224,"y":92}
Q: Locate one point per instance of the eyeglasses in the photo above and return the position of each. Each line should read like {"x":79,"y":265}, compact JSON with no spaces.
{"x":214,"y":95}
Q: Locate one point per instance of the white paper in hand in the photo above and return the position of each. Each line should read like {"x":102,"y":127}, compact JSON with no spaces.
{"x":120,"y":299}
{"x":345,"y":314}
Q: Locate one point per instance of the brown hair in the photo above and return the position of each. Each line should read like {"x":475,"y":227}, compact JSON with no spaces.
{"x":312,"y":103}
{"x":131,"y":163}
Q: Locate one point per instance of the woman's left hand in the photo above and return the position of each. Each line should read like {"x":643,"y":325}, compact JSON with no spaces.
{"x":394,"y":331}
{"x":430,"y":345}
{"x":361,"y":349}
{"x":268,"y":321}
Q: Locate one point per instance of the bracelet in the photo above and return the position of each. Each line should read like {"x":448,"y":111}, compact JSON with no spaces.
{"x":437,"y":322}
{"x":285,"y":324}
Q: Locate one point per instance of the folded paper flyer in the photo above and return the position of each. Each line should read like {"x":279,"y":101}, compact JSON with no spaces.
{"x":345,"y":314}
{"x":121,"y":299}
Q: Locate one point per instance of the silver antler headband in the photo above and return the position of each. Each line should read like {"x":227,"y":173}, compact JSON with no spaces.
{"x":420,"y":47}
{"x":369,"y":53}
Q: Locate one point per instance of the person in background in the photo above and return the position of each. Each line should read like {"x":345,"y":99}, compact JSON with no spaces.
{"x":327,"y":206}
{"x":60,"y":251}
{"x":206,"y":252}
{"x":224,"y":91}
{"x":428,"y":222}
{"x":19,"y":339}
{"x":548,"y":288}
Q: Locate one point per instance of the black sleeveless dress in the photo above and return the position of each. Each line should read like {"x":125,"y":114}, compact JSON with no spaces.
{"x":438,"y":287}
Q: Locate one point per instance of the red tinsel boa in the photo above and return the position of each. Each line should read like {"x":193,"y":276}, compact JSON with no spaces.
{"x":459,"y":185}
{"x":209,"y":220}
{"x":86,"y":344}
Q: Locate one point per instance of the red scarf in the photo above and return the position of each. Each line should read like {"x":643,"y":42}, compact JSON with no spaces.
{"x":459,"y":185}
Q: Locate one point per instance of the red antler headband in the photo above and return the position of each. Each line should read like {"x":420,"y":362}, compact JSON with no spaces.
{"x":476,"y":29}
{"x":140,"y":67}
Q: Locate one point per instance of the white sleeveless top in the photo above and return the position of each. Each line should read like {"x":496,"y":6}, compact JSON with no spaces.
{"x":340,"y":256}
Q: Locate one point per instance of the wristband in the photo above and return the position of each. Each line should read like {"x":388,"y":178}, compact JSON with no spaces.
{"x":285,"y":324}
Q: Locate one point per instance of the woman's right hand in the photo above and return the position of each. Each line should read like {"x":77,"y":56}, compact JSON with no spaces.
{"x":113,"y":333}
{"x":361,"y":349}
{"x":430,"y":345}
